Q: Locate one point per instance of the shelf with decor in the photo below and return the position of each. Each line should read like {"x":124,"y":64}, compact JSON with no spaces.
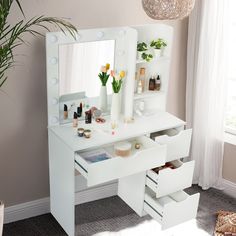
{"x":148,"y":94}
{"x":161,"y":59}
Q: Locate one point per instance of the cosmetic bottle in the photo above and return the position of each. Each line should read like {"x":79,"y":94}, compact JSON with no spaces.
{"x":75,"y":120}
{"x":139,"y":89}
{"x":152,"y":83}
{"x":65,"y":112}
{"x":79,"y":113}
{"x":81,"y":108}
{"x":136,"y":82}
{"x":142,"y":77}
{"x":88,"y":117}
{"x":158,"y":83}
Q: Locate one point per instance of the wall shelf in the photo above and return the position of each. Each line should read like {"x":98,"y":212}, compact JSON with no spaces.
{"x":164,"y":58}
{"x":148,"y":94}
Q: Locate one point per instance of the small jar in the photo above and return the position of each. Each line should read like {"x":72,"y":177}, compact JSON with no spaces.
{"x":80,"y":132}
{"x":87,"y":133}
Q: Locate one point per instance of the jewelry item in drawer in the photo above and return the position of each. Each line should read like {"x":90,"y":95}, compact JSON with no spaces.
{"x":95,"y":156}
{"x":123,"y":149}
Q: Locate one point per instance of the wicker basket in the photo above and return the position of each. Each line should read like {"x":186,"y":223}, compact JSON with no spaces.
{"x":1,"y":217}
{"x":168,"y":9}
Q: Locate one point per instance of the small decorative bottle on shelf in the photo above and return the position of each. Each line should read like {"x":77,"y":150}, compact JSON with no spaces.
{"x":136,"y":82}
{"x":142,"y":77}
{"x":158,"y":83}
{"x":152,"y":83}
{"x":139,"y":89}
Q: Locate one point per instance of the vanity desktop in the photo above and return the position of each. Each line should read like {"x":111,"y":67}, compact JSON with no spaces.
{"x":151,"y":179}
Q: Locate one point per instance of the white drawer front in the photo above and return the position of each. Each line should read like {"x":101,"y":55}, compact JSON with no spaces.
{"x":170,"y":212}
{"x":178,"y":145}
{"x":147,"y":157}
{"x":171,"y":180}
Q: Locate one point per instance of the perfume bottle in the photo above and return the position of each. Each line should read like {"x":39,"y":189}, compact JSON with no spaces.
{"x":152,"y":83}
{"x":88,"y":117}
{"x":158,"y":83}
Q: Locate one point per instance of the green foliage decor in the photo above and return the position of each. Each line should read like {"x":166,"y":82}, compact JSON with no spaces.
{"x":11,"y":36}
{"x":141,"y":47}
{"x":158,"y":44}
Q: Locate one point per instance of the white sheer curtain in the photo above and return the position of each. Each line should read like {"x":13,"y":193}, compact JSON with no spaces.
{"x":205,"y":92}
{"x":80,"y":63}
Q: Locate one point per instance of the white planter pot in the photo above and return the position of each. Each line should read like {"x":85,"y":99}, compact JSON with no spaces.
{"x":139,"y":55}
{"x":158,"y":53}
{"x":103,"y":99}
{"x":115,"y":107}
{"x":1,"y":217}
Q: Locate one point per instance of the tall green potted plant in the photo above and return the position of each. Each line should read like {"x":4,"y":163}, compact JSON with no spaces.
{"x":11,"y":36}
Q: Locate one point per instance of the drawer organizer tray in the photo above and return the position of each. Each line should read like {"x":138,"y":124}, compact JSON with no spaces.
{"x":178,"y":143}
{"x":172,"y":209}
{"x":169,"y":180}
{"x":150,"y":155}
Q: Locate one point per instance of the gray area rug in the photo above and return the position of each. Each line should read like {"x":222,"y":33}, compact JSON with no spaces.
{"x":111,"y":216}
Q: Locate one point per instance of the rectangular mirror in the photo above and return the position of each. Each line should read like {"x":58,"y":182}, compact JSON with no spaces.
{"x":73,"y":65}
{"x":79,"y":66}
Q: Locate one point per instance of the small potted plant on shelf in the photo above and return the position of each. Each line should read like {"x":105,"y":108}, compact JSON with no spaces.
{"x":141,"y":48}
{"x":116,"y":87}
{"x":103,"y":76}
{"x":147,"y":56}
{"x":158,"y":46}
{"x":1,"y":216}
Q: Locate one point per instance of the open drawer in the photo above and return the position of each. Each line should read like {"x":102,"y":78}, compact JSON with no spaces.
{"x":177,"y":176}
{"x":178,"y":143}
{"x":150,"y":155}
{"x":172,"y":209}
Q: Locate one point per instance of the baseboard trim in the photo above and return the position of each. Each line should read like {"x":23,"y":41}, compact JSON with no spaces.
{"x":26,"y":210}
{"x":42,"y":206}
{"x":229,"y":187}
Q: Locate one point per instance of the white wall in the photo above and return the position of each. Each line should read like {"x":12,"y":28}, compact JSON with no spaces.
{"x":23,"y":120}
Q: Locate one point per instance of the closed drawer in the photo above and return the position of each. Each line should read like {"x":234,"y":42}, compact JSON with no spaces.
{"x":178,"y":145}
{"x":150,"y":155}
{"x":173,"y":209}
{"x":170,"y":180}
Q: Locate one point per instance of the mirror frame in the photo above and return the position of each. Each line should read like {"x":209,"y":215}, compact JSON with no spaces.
{"x":125,"y":59}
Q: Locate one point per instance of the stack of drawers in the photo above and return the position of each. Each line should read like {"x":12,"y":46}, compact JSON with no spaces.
{"x":164,"y":198}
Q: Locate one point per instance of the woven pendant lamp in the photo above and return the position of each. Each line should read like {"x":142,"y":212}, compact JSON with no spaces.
{"x":168,"y":9}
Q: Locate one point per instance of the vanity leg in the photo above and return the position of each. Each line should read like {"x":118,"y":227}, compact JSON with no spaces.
{"x":131,"y":189}
{"x":62,"y":183}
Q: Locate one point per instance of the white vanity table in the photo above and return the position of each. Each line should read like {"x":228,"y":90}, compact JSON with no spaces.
{"x":159,"y":194}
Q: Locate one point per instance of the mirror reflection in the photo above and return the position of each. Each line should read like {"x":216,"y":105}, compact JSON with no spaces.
{"x":79,"y":66}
